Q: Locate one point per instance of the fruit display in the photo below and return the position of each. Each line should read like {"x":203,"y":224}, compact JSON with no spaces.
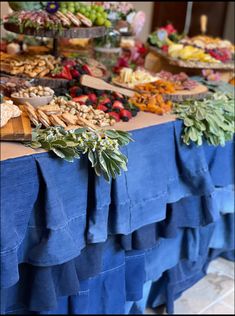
{"x":199,"y":48}
{"x":28,"y":65}
{"x":68,"y":114}
{"x":157,"y":87}
{"x":59,"y":16}
{"x":73,"y":68}
{"x":7,"y":111}
{"x":219,"y":49}
{"x":96,"y":14}
{"x":153,"y":103}
{"x":112,"y":103}
{"x":150,"y":96}
{"x":181,"y":81}
{"x":130,"y":78}
{"x":190,"y":53}
{"x":31,"y":92}
{"x":9,"y":85}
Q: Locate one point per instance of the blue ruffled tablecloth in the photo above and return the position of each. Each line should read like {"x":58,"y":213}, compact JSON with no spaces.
{"x":67,"y":235}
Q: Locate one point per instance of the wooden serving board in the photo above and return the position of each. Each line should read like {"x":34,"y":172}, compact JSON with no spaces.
{"x":18,"y":128}
{"x":199,"y":92}
{"x":192,"y":64}
{"x":73,"y":32}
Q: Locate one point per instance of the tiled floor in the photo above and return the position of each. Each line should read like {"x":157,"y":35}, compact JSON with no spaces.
{"x":214,"y":294}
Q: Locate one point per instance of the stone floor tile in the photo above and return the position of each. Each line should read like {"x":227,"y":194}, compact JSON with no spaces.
{"x":229,"y":299}
{"x":218,"y":309}
{"x":211,"y":288}
{"x":222,"y":266}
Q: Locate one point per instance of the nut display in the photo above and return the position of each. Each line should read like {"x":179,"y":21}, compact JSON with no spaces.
{"x":68,"y":114}
{"x":9,"y":85}
{"x":31,"y":66}
{"x":33,"y":92}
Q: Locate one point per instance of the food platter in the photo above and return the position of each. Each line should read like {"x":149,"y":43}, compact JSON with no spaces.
{"x":73,"y":32}
{"x":17,"y":129}
{"x":199,"y":92}
{"x":192,"y":64}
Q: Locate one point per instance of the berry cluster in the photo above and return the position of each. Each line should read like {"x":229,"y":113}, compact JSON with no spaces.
{"x":113,"y":103}
{"x":221,"y":54}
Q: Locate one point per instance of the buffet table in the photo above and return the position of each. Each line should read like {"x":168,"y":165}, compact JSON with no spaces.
{"x":74,"y":243}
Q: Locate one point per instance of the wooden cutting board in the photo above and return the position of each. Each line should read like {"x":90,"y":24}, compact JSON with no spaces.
{"x":199,"y":92}
{"x":18,"y":128}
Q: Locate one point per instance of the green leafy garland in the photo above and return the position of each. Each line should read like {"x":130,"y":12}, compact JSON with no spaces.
{"x":101,"y":147}
{"x":211,"y":119}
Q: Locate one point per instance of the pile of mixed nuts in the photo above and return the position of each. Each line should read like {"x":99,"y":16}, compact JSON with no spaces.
{"x":33,"y":92}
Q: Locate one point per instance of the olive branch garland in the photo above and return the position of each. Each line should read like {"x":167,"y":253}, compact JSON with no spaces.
{"x":101,"y":147}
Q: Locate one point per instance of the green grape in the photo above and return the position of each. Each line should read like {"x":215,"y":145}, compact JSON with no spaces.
{"x":104,"y":15}
{"x":77,"y":5}
{"x":92,"y":17}
{"x":82,"y":10}
{"x":107,"y":23}
{"x":64,"y":10}
{"x":99,"y":21}
{"x":100,"y":9}
{"x":62,"y":5}
{"x":71,"y":9}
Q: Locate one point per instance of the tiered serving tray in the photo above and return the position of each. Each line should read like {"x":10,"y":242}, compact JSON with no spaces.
{"x":192,"y":64}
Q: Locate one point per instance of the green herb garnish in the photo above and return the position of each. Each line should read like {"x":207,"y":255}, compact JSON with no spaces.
{"x":102,"y":147}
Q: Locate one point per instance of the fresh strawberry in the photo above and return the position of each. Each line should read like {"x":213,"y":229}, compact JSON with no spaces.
{"x":125,"y":115}
{"x":87,"y":69}
{"x":62,"y":72}
{"x":117,"y":105}
{"x":102,"y":107}
{"x":92,"y":97}
{"x":70,"y":63}
{"x":75,"y":73}
{"x":73,"y":91}
{"x":115,"y":115}
{"x":104,"y":100}
{"x":81,"y":99}
{"x":165,"y":48}
{"x":65,"y":73}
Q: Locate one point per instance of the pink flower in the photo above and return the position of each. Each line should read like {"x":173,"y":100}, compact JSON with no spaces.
{"x":169,"y":28}
{"x":211,"y":75}
{"x":138,"y":22}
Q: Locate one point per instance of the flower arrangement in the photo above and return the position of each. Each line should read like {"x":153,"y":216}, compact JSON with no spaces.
{"x":132,"y":57}
{"x":124,"y":16}
{"x":165,"y":35}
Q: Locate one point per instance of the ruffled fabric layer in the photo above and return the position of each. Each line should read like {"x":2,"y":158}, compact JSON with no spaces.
{"x":56,"y":203}
{"x":105,"y":276}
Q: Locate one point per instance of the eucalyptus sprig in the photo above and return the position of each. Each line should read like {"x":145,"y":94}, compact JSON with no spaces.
{"x":211,"y":119}
{"x":101,"y":147}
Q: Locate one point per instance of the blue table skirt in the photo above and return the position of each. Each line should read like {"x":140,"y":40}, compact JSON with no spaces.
{"x":122,"y":276}
{"x":72,"y":235}
{"x":47,"y":202}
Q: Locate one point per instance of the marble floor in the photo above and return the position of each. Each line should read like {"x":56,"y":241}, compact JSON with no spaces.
{"x":214,"y":294}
